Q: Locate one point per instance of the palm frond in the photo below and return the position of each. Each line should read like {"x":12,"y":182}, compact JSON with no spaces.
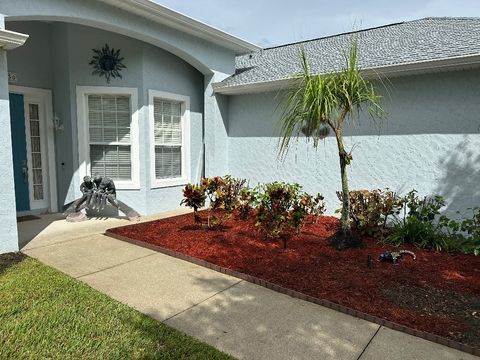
{"x":321,"y":101}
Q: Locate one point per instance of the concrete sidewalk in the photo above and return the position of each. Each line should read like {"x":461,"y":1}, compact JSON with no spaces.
{"x":240,"y":318}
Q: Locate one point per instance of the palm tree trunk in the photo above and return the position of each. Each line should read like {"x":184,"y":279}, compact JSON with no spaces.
{"x":344,"y":161}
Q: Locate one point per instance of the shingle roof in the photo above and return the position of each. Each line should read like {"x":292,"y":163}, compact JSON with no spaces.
{"x":415,"y":41}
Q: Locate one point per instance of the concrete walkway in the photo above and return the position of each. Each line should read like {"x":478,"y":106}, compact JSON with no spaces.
{"x":242,"y":319}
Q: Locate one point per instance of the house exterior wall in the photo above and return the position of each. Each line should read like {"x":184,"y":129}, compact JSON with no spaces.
{"x":166,"y":72}
{"x":428,"y":142}
{"x":159,"y":57}
{"x":8,"y":235}
{"x":203,"y":55}
{"x":66,"y":50}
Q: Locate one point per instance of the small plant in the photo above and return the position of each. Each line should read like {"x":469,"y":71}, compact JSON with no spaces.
{"x":194,"y":197}
{"x":463,"y":236}
{"x":228,"y":193}
{"x":424,"y":209}
{"x":212,"y":186}
{"x":313,"y":205}
{"x":370,"y":210}
{"x":246,"y":201}
{"x":222,"y":193}
{"x":472,"y":226}
{"x":424,"y":226}
{"x":282,"y":209}
{"x":418,"y":225}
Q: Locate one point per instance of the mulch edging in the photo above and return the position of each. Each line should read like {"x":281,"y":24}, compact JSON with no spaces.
{"x":295,"y":294}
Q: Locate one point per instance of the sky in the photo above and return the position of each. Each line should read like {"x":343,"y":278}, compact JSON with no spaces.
{"x":275,"y":22}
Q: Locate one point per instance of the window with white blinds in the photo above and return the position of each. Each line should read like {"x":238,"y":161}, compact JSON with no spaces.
{"x":109,"y":125}
{"x":168,"y":137}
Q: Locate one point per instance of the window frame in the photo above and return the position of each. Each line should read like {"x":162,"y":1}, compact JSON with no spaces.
{"x":185,"y":126}
{"x":84,"y":133}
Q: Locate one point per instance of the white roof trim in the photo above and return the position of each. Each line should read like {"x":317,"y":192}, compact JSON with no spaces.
{"x":163,"y":15}
{"x":10,"y":40}
{"x":420,"y":67}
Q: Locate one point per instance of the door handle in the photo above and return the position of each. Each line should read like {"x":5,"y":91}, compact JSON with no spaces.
{"x":25,"y":171}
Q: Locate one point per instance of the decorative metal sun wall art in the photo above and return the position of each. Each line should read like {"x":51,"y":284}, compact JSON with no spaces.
{"x":107,"y":62}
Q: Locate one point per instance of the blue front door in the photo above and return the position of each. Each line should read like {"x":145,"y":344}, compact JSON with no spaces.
{"x":19,"y":150}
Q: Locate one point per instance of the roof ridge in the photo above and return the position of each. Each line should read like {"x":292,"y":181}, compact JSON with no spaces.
{"x":335,"y":35}
{"x":371,"y":28}
{"x":448,"y":17}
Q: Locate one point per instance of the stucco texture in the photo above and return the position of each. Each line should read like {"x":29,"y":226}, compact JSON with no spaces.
{"x":64,"y":51}
{"x":8,"y":235}
{"x":429,"y":141}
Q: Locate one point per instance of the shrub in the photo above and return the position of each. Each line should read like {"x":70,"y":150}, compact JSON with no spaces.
{"x":194,"y":197}
{"x":370,"y":210}
{"x":228,"y":192}
{"x":313,"y":205}
{"x":472,"y":226}
{"x":222,"y":193}
{"x":418,"y":225}
{"x":246,"y":201}
{"x":464,"y":235}
{"x":425,"y":227}
{"x":282,"y":209}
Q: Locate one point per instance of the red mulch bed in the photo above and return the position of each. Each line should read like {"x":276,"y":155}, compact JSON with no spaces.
{"x":311,"y":266}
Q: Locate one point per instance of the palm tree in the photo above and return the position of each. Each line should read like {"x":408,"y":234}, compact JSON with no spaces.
{"x":318,"y":104}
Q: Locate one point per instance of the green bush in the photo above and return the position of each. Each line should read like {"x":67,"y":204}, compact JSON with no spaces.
{"x":282,"y":209}
{"x":424,"y":226}
{"x":465,"y":234}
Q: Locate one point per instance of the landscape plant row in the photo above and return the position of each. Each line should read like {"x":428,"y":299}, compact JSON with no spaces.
{"x":281,"y":209}
{"x":377,"y":213}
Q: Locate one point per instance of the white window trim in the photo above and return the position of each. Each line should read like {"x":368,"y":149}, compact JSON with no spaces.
{"x":185,"y":100}
{"x":83,"y":132}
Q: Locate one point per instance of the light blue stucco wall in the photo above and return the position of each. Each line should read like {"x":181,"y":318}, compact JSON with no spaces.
{"x":206,"y":56}
{"x":8,"y":221}
{"x":166,"y":72}
{"x":33,"y":61}
{"x":430,"y":141}
{"x":54,"y":58}
{"x":148,"y":68}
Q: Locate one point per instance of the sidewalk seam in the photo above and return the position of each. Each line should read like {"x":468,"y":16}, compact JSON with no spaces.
{"x":61,"y":242}
{"x":201,"y":302}
{"x":114,"y":266}
{"x":369,"y":342}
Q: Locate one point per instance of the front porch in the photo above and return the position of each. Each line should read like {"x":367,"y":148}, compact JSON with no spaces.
{"x":170,"y":65}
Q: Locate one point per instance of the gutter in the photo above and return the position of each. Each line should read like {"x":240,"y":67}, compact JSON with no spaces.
{"x":163,"y":15}
{"x":412,"y":68}
{"x":10,"y":40}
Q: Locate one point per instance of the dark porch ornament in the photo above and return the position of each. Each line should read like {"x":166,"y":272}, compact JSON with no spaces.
{"x":96,"y":193}
{"x":107,"y":62}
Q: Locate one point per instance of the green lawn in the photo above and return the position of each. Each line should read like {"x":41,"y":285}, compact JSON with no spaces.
{"x":46,"y":314}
